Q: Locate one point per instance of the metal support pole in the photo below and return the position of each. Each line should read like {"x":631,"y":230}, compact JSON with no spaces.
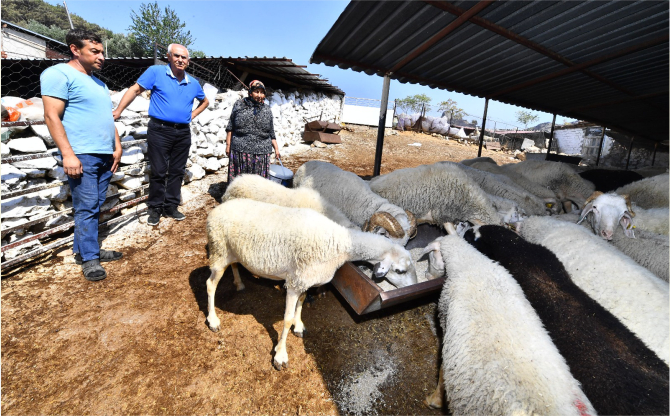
{"x":481,"y":134}
{"x":653,"y":159}
{"x":600,"y":148}
{"x":156,"y":53}
{"x":382,"y":125}
{"x":551,"y":136}
{"x":630,"y":150}
{"x":68,"y":15}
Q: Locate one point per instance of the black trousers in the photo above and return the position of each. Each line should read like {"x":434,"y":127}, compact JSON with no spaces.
{"x":168,"y":149}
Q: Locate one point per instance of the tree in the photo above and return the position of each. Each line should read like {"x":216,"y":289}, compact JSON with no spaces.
{"x":153,"y":25}
{"x":473,"y":122}
{"x":446,"y":107}
{"x":414,"y":103}
{"x":119,"y":45}
{"x":526,"y":117}
{"x":54,"y":32}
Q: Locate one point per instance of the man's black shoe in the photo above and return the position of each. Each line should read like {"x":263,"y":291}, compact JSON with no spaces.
{"x":154,"y":216}
{"x":172,"y":212}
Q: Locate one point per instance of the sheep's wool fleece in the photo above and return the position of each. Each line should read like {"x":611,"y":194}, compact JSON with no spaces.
{"x":442,"y":190}
{"x":633,"y":294}
{"x":649,"y":192}
{"x":559,"y":177}
{"x":497,"y":356}
{"x":298,"y":245}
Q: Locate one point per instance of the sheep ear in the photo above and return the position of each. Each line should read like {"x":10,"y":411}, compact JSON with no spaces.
{"x":626,"y":222}
{"x":433,"y":246}
{"x":628,"y":205}
{"x":587,"y":208}
{"x":381,"y":269}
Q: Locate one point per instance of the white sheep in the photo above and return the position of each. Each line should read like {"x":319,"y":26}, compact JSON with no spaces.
{"x":297,"y":245}
{"x":353,"y":196}
{"x":654,"y":220}
{"x":437,"y":193}
{"x":260,"y":189}
{"x":649,"y":250}
{"x":649,"y":192}
{"x":629,"y":291}
{"x":497,"y":358}
{"x":547,"y":195}
{"x":503,"y":186}
{"x":559,"y":177}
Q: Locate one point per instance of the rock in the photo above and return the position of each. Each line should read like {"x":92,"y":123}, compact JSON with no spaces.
{"x":120,"y":128}
{"x":41,"y":163}
{"x":13,"y":222}
{"x":139,"y":105}
{"x":5,"y":150}
{"x":57,"y":173}
{"x":136,"y":171}
{"x":55,"y":222}
{"x":132,"y":155}
{"x":42,"y":131}
{"x":131,"y":182}
{"x":24,"y":206}
{"x":28,"y":145}
{"x":520,"y":156}
{"x":197,"y":172}
{"x":58,"y":193}
{"x":109,"y":204}
{"x":527,"y":143}
{"x":127,"y":196}
{"x":224,"y":161}
{"x":10,"y":174}
{"x":117,"y":176}
{"x":319,"y":144}
{"x":219,"y":150}
{"x":212,"y":164}
{"x":34,"y":173}
{"x":21,"y":250}
{"x":62,"y":206}
{"x":205,"y":151}
{"x":130,"y":210}
{"x":111,"y":190}
{"x":127,"y":138}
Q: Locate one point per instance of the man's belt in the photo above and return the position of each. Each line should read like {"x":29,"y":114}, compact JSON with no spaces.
{"x":169,"y":124}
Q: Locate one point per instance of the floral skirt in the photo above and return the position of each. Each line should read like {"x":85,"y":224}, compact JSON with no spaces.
{"x":241,"y":162}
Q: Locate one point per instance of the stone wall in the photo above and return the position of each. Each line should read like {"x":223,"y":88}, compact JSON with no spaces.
{"x":290,"y":109}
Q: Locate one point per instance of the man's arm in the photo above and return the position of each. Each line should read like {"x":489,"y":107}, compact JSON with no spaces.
{"x":118,"y":151}
{"x":200,"y":108}
{"x":127,"y":98}
{"x":53,"y":110}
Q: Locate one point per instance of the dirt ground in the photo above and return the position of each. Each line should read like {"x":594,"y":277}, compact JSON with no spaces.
{"x":137,"y":342}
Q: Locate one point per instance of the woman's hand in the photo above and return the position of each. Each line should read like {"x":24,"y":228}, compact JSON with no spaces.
{"x":228,"y":149}
{"x":277,"y":155}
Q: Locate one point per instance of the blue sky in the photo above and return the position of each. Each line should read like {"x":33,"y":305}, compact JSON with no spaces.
{"x":290,"y":29}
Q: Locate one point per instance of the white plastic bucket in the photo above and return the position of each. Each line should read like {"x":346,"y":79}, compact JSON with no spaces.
{"x":281,"y":175}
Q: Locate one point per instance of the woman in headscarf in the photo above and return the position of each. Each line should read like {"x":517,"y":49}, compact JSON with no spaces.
{"x":251,"y":135}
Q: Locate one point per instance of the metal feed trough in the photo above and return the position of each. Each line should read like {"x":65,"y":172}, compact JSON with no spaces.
{"x":365,"y":296}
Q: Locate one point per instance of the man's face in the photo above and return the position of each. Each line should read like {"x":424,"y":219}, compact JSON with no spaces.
{"x":178,"y":58}
{"x":91,"y":55}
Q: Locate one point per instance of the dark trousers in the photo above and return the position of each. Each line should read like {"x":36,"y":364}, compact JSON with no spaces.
{"x":168,"y":149}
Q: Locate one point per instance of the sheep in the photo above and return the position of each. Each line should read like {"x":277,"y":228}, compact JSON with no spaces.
{"x":297,"y":245}
{"x":559,"y":177}
{"x":508,"y":210}
{"x":503,"y":186}
{"x":629,"y":291}
{"x":353,"y":196}
{"x":618,"y":372}
{"x":649,"y":171}
{"x":496,"y":356}
{"x":483,"y":159}
{"x":547,"y":195}
{"x":649,"y":192}
{"x":437,"y":194}
{"x":260,"y":189}
{"x":607,"y":180}
{"x":649,"y":250}
{"x":608,"y":210}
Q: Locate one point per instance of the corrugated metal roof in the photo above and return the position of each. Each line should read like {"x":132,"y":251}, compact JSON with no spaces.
{"x":600,"y":61}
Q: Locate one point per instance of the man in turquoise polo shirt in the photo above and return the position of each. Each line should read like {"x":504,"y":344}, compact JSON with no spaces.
{"x":76,"y":111}
{"x":169,"y":133}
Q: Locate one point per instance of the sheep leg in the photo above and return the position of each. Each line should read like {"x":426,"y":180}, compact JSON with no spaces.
{"x":237,"y":280}
{"x":212,"y":283}
{"x":434,"y":401}
{"x":298,"y":326}
{"x":281,"y":356}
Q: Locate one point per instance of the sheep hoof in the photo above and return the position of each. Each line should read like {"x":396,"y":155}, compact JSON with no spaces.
{"x":279,"y":366}
{"x":299,"y":334}
{"x":433,"y":405}
{"x":240,"y":288}
{"x":214,"y":328}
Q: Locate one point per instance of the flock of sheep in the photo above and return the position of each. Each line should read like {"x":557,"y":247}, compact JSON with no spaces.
{"x":556,"y":297}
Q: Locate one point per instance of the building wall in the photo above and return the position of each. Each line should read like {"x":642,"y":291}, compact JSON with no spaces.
{"x":20,"y":45}
{"x":367,"y":116}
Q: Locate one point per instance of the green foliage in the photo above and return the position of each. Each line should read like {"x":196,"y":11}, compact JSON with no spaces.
{"x":119,"y":45}
{"x":153,"y":25}
{"x":197,"y":54}
{"x":54,"y":32}
{"x":526,"y":117}
{"x":473,"y":121}
{"x":450,"y":105}
{"x":413,"y":103}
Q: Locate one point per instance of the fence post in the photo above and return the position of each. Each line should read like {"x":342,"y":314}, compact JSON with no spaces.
{"x":653,"y":159}
{"x":382,"y":125}
{"x":630,"y":150}
{"x":600,"y":148}
{"x":551,"y":137}
{"x":481,"y":135}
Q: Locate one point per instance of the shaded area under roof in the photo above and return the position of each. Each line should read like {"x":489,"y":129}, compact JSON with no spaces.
{"x":599,"y":61}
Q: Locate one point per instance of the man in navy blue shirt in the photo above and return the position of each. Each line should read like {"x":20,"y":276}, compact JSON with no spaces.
{"x":169,"y":134}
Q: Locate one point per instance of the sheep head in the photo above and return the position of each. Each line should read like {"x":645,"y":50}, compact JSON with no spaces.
{"x":608,"y":210}
{"x":397,"y":267}
{"x":385,"y":224}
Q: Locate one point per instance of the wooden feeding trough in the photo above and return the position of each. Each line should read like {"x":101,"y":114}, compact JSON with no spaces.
{"x":322,"y":131}
{"x":365,"y":296}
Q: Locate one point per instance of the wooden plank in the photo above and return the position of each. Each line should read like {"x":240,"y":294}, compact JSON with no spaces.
{"x":310,"y":136}
{"x":492,"y":145}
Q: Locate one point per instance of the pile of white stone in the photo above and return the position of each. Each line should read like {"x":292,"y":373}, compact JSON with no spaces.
{"x":290,"y":109}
